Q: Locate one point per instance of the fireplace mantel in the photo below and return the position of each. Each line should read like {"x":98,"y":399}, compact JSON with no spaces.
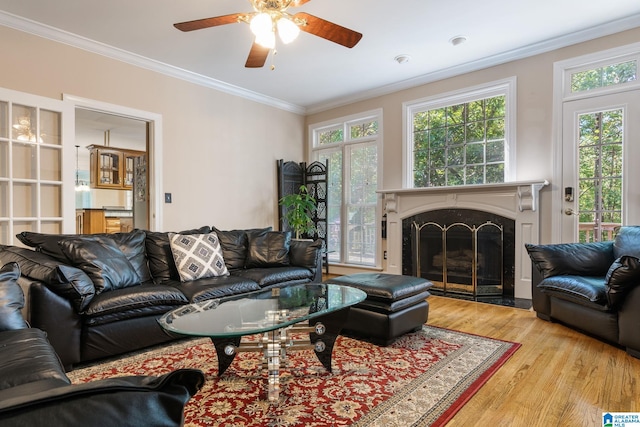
{"x":516,"y":200}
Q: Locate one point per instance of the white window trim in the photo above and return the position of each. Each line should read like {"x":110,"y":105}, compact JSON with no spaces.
{"x":344,"y":122}
{"x":562,"y":71}
{"x":486,"y":90}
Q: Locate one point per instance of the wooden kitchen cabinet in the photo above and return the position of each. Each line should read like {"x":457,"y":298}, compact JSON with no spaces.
{"x":90,"y":221}
{"x":112,"y":167}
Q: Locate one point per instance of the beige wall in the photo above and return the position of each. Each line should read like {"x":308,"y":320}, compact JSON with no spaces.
{"x":219,"y":150}
{"x":534,"y":111}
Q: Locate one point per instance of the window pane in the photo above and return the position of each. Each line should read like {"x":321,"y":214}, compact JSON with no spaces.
{"x":330,"y":136}
{"x":4,"y":199}
{"x":364,"y":129}
{"x":50,"y":127}
{"x":24,"y":161}
{"x":609,"y":75}
{"x":28,"y":197}
{"x":460,"y":136}
{"x":4,"y":119}
{"x":24,"y":123}
{"x":50,"y":164}
{"x":4,"y":159}
{"x":495,"y":174}
{"x":475,"y":153}
{"x":361,"y":235}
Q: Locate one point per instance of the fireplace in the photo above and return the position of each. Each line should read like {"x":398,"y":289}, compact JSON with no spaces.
{"x":476,"y":223}
{"x":461,"y":251}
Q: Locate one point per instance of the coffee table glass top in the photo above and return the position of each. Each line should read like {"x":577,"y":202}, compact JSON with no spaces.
{"x":260,"y":311}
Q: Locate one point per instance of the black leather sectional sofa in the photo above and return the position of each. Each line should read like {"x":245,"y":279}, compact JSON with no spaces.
{"x":101,"y":295}
{"x":35,"y":392}
{"x":592,"y":287}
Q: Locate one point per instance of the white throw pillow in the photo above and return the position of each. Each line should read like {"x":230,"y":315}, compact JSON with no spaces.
{"x":197,"y":255}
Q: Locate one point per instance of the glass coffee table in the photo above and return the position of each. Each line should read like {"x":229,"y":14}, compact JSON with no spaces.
{"x":278,"y":315}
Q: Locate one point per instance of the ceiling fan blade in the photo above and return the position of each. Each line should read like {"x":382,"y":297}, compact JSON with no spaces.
{"x":199,"y":24}
{"x":296,"y":3}
{"x":257,"y":56}
{"x":328,"y":30}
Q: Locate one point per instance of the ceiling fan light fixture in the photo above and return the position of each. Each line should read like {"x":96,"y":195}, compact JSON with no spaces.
{"x":287,"y":30}
{"x":261,"y":25}
{"x":267,"y":40}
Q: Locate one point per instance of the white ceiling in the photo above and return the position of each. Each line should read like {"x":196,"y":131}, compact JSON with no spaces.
{"x":312,"y":74}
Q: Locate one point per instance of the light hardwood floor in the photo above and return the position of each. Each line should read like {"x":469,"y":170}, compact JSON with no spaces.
{"x":558,"y":377}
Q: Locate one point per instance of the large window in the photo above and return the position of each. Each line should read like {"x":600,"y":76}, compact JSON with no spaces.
{"x":461,"y":138}
{"x":351,"y":147}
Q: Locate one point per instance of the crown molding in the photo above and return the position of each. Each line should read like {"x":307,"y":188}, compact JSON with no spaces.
{"x":55,"y":34}
{"x":606,"y":29}
{"x":74,"y":40}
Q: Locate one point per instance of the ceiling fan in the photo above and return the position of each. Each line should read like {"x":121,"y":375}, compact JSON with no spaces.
{"x":270,"y":17}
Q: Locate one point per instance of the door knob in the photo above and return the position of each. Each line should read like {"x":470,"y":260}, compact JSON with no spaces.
{"x":569,"y":211}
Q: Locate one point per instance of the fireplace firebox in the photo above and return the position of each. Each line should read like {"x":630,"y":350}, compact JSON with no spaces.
{"x":461,"y":251}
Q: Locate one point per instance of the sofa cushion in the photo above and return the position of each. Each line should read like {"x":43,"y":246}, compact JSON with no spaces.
{"x":235,"y":243}
{"x":102,"y":260}
{"x":197,"y":255}
{"x":269,"y":249}
{"x":159,"y":254}
{"x":580,"y":289}
{"x":131,"y":244}
{"x":304,"y":254}
{"x":11,"y":298}
{"x":276,"y":275}
{"x":623,"y":276}
{"x":627,"y":242}
{"x":213,"y":287}
{"x":145,"y":300}
{"x":580,"y":259}
{"x":65,"y":280}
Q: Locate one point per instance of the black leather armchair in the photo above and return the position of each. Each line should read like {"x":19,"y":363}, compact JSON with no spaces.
{"x":592,"y":287}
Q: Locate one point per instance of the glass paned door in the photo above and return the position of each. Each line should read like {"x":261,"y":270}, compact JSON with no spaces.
{"x":600,"y":139}
{"x":361,"y":206}
{"x":31,"y":165}
{"x":334,"y":205}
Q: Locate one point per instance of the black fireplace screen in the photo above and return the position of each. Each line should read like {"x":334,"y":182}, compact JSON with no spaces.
{"x":461,"y":251}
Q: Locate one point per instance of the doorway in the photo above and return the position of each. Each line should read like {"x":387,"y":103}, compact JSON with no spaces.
{"x":154,"y":149}
{"x":111,"y":172}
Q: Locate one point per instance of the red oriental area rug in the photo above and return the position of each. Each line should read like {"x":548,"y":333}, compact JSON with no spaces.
{"x":422,"y":379}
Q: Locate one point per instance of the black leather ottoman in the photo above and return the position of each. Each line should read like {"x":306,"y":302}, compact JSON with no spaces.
{"x":395,"y":305}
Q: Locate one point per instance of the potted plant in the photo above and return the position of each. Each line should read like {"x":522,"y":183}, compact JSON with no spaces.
{"x":299,"y":208}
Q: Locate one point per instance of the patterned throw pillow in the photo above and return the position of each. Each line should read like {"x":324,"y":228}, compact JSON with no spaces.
{"x":197,"y":255}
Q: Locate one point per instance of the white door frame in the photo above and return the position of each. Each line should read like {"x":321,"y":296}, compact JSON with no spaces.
{"x":562,"y":94}
{"x":155,"y":147}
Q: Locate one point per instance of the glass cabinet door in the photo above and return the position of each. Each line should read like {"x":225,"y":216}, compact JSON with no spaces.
{"x":108,"y":168}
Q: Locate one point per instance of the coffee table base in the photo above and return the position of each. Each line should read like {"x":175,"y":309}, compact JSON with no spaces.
{"x":274,"y":345}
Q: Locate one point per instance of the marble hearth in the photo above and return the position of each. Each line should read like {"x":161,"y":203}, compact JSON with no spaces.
{"x":518,"y":201}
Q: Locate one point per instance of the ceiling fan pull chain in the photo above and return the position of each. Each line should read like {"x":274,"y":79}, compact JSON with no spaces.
{"x":273,"y":59}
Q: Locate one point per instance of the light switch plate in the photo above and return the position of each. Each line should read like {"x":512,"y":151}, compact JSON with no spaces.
{"x":167,"y":197}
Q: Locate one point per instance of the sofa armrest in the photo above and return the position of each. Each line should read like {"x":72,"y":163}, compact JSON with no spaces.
{"x":628,"y":322}
{"x":540,"y":301}
{"x":57,"y":317}
{"x":124,"y":401}
{"x":65,"y":280}
{"x":307,"y":254}
{"x":578,"y":259}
